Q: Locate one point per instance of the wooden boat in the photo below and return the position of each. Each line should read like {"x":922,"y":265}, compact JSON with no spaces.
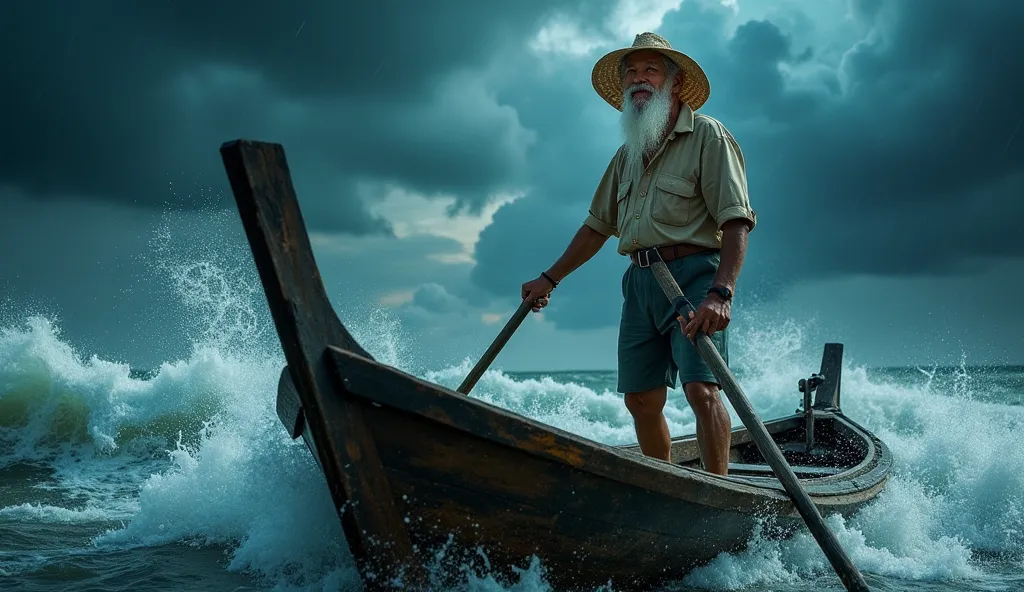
{"x":414,"y":467}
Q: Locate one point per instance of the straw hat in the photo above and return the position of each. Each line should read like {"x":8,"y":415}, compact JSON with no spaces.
{"x":608,"y":82}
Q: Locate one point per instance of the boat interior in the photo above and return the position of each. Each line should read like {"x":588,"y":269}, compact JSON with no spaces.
{"x":817,"y":441}
{"x":836,"y":448}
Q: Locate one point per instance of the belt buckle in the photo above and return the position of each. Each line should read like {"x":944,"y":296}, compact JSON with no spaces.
{"x":643,"y":258}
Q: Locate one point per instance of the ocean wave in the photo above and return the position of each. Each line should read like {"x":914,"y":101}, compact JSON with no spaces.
{"x":219,"y":469}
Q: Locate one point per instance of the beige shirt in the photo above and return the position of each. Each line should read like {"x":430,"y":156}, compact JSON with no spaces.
{"x":695,"y":183}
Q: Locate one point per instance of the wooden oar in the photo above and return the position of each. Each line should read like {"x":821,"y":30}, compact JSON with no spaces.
{"x":848,"y":573}
{"x":498,"y":343}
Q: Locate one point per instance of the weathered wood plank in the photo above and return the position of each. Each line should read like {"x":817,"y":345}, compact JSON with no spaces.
{"x":289,"y":405}
{"x":392,"y":387}
{"x":799,"y":470}
{"x":574,"y":554}
{"x":582,"y":526}
{"x":307,"y":325}
{"x":586,"y":529}
{"x":827,"y":394}
{"x":443,"y":454}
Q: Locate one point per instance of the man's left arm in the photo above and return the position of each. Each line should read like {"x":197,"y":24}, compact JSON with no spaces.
{"x":724,"y":187}
{"x":734,"y":248}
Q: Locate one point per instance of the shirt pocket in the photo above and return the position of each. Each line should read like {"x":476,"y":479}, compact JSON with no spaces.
{"x":673,"y":200}
{"x":621,"y":201}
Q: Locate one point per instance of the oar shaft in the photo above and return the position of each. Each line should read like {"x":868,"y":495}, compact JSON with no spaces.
{"x":496,"y":346}
{"x":848,"y":573}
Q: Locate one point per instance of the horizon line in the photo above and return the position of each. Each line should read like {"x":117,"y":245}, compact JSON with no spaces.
{"x":871,"y":367}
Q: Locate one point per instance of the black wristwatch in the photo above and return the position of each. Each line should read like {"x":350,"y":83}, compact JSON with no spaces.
{"x":722,"y":291}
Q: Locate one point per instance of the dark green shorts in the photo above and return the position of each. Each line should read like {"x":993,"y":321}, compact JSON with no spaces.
{"x":652,"y":348}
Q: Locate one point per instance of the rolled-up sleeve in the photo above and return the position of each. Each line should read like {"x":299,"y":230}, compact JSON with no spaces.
{"x":723,"y":181}
{"x":603,"y":207}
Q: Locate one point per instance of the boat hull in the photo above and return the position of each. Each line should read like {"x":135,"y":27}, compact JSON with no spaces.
{"x":487,"y":486}
{"x":464,"y":493}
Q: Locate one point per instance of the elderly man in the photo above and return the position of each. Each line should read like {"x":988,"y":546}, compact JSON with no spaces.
{"x":677,"y":185}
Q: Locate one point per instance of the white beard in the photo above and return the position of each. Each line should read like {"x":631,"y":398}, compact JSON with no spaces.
{"x":643,"y":128}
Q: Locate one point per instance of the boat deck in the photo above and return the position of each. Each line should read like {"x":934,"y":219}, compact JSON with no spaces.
{"x":801,"y":471}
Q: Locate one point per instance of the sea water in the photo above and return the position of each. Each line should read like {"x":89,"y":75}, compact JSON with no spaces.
{"x":180,"y":477}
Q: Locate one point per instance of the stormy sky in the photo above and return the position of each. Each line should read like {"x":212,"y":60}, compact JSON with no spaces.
{"x":445,"y":152}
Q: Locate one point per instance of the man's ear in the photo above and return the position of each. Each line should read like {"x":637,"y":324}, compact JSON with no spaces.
{"x":677,"y":82}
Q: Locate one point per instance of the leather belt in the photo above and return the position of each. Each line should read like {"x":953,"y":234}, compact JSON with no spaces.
{"x":642,"y":258}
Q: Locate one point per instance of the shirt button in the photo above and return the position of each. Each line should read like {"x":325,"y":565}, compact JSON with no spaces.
{"x":637,"y":216}
{"x":643,"y":193}
{"x":634,"y":241}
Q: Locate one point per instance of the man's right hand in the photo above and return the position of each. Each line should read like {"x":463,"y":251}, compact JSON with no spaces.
{"x":539,"y":291}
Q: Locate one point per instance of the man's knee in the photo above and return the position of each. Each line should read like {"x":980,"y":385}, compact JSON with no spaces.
{"x":702,"y":396}
{"x":646,"y":404}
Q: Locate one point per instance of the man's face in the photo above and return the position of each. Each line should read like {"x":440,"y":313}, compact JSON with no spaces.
{"x":644,"y":72}
{"x":647,"y":103}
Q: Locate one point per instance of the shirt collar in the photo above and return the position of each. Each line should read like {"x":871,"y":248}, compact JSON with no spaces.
{"x":684,"y":122}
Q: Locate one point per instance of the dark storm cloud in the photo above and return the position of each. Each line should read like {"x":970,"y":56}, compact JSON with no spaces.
{"x":434,"y":298}
{"x":915,"y":168}
{"x":115,"y":100}
{"x":905,"y":169}
{"x":899,"y":158}
{"x":900,"y":153}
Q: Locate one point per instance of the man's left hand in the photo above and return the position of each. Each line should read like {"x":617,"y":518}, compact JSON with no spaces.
{"x":712,"y":315}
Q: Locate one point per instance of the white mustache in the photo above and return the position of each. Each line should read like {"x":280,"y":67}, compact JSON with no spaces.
{"x":641,"y":86}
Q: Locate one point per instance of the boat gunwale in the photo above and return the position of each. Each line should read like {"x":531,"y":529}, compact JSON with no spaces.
{"x":683,"y":480}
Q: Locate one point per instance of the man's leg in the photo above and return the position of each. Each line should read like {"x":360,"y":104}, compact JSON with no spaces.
{"x":714,"y":435}
{"x":695,"y":274}
{"x":649,"y":422}
{"x":645,"y":366}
